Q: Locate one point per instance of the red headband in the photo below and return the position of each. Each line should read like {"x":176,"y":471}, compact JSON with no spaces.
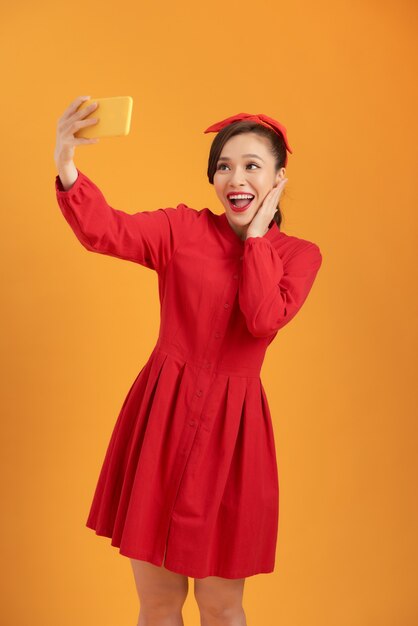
{"x":260,"y":118}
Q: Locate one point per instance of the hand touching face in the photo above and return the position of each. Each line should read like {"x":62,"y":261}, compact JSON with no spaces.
{"x":261,"y":220}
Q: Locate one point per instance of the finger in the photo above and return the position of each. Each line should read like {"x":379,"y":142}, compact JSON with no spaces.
{"x":74,"y":106}
{"x":82,"y":123}
{"x":84,"y":140}
{"x":280,"y":186}
{"x":78,"y":116}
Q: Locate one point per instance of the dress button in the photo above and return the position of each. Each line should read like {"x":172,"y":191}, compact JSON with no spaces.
{"x":241,"y":257}
{"x":226,"y":305}
{"x":192,"y":423}
{"x":217,"y":335}
{"x":199,"y":392}
{"x":235,"y":276}
{"x":208,"y":364}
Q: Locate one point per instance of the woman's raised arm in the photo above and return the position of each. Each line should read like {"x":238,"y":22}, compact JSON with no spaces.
{"x":146,"y":237}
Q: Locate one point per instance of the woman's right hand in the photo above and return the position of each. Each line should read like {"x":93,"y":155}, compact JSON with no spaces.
{"x":68,"y":124}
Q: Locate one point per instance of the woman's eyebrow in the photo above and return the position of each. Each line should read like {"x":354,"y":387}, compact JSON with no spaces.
{"x":244,"y":155}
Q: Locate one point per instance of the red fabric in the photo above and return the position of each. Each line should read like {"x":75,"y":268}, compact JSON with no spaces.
{"x":191,"y":464}
{"x":260,"y":118}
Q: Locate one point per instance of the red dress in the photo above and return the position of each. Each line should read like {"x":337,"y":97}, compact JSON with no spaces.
{"x":189,"y":479}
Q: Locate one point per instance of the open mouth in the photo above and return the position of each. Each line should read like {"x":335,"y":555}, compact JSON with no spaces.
{"x":240,"y":204}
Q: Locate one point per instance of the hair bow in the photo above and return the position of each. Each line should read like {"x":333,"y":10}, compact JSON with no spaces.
{"x":260,"y":118}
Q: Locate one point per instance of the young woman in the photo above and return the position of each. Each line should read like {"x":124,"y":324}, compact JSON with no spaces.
{"x":189,"y":483}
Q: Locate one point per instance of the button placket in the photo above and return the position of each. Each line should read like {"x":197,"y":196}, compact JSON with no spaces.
{"x":202,"y":382}
{"x":230,"y":295}
{"x":200,"y":415}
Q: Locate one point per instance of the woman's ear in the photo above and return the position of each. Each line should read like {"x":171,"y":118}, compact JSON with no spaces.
{"x":280,"y":175}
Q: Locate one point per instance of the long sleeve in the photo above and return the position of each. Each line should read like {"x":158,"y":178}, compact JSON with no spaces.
{"x":146,"y":237}
{"x":271,"y":291}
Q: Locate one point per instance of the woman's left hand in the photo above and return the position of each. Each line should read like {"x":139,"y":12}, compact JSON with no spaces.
{"x":258,"y":226}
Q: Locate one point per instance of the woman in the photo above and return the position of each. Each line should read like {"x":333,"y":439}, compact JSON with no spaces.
{"x":189,"y":483}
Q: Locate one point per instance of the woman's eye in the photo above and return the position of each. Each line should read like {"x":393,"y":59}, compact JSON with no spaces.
{"x":222,"y":164}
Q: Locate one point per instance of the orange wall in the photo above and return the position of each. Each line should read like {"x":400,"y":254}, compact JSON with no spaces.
{"x":77,"y":327}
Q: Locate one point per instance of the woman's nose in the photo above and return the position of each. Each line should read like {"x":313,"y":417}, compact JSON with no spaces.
{"x":237,"y":177}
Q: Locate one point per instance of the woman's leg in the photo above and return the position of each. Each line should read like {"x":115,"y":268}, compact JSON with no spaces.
{"x":161,"y":594}
{"x":220,"y":601}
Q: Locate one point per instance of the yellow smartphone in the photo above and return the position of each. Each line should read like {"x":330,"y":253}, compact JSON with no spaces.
{"x":114,"y":117}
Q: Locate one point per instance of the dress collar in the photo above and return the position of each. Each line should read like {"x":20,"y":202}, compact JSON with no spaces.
{"x":230,"y":234}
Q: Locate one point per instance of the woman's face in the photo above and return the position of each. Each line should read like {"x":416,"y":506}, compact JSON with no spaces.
{"x":236,"y":172}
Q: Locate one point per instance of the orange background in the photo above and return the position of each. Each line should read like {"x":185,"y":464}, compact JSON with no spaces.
{"x":78,"y":327}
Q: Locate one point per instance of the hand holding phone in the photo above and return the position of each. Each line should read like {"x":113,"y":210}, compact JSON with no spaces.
{"x":76,"y":126}
{"x":69,"y":122}
{"x":114,"y":118}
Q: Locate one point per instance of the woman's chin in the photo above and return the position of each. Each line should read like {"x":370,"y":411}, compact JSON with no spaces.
{"x":242,"y":217}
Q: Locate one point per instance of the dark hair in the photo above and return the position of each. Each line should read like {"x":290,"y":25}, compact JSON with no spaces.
{"x":276,"y":144}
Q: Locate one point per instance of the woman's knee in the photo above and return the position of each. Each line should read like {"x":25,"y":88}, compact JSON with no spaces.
{"x":216,"y":614}
{"x":159,"y":589}
{"x":220,"y":598}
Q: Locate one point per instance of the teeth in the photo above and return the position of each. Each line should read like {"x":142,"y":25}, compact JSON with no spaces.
{"x":240,"y":196}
